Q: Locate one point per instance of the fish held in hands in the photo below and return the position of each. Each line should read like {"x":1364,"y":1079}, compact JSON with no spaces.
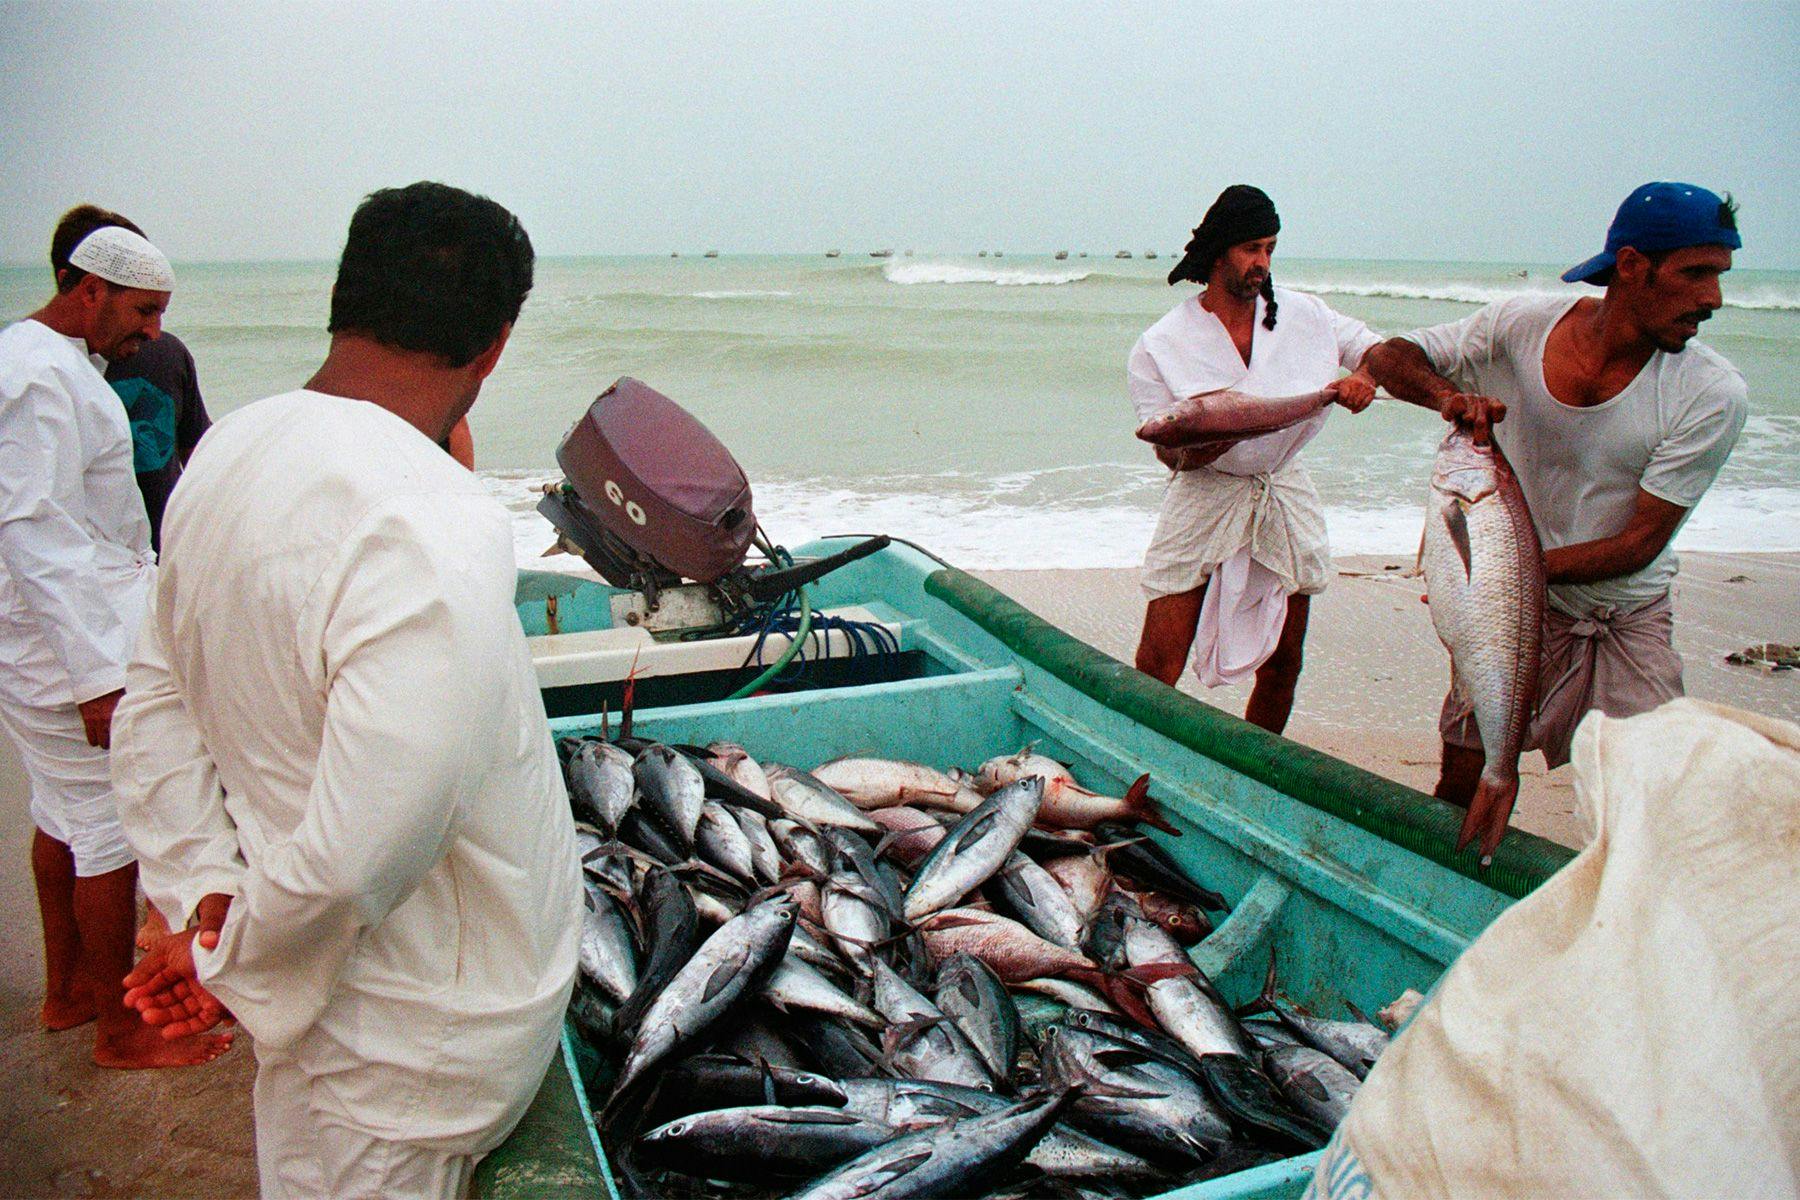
{"x":1484,"y":578}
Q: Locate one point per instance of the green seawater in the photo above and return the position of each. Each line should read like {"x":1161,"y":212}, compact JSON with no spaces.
{"x":976,"y":404}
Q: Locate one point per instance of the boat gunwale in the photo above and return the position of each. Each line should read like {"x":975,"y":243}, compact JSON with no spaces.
{"x":1401,"y":815}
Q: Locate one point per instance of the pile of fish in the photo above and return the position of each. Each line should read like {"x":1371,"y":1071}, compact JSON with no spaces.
{"x":877,"y":979}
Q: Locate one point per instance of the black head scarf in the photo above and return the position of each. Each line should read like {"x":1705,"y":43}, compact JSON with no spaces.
{"x":1242,"y":213}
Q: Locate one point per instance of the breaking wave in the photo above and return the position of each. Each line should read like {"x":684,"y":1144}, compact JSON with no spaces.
{"x":1762,"y":297}
{"x":907,"y":274}
{"x":1013,"y":527}
{"x":751,"y":294}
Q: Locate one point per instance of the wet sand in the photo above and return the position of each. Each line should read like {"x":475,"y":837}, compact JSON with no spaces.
{"x":1374,"y":677}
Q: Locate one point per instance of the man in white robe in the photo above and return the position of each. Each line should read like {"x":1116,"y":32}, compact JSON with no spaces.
{"x":332,"y":737}
{"x":75,"y":564}
{"x":1240,"y":543}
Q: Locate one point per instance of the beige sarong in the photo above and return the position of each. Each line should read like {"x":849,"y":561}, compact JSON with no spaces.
{"x":1208,"y":516}
{"x":1622,"y":664}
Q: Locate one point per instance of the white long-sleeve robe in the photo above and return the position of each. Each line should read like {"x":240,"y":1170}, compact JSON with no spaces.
{"x":75,"y":554}
{"x":332,"y":716}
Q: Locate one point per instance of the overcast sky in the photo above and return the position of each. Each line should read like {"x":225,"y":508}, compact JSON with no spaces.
{"x":1505,"y":131}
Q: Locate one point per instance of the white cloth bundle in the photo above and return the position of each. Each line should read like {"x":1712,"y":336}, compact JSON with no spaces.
{"x":1631,"y":1028}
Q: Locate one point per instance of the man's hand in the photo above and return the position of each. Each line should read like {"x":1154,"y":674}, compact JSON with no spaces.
{"x":1479,"y":413}
{"x":1355,"y":392}
{"x":96,"y":717}
{"x":164,"y":987}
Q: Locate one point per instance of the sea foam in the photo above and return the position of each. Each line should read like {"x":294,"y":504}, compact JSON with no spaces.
{"x":909,"y":273}
{"x":1009,"y":530}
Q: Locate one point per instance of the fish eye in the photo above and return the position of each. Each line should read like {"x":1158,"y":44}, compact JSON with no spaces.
{"x":677,"y":1129}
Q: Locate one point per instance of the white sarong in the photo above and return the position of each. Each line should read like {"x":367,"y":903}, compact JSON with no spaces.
{"x":1267,"y":531}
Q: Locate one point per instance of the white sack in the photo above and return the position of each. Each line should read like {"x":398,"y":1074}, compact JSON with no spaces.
{"x":1631,"y":1028}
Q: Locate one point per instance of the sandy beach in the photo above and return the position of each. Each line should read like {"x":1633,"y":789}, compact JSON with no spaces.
{"x":1374,"y":677}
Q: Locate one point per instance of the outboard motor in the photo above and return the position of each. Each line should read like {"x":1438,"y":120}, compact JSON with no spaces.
{"x":650,"y":498}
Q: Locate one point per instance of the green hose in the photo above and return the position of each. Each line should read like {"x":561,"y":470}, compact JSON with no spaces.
{"x":787,"y":656}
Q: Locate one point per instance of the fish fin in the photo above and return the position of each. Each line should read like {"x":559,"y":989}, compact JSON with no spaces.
{"x":1123,"y":989}
{"x":1362,"y":1016}
{"x":897,"y":1169}
{"x":1142,"y":808}
{"x":896,"y":1037}
{"x":945,"y":919}
{"x":1456,"y":520}
{"x":720,"y":979}
{"x":1159,"y":972}
{"x":629,"y":697}
{"x":768,"y":1080}
{"x":605,"y":723}
{"x":1265,"y":1001}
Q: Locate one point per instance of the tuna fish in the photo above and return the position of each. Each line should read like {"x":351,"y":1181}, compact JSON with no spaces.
{"x":977,"y":848}
{"x":1484,"y":574}
{"x":961,"y":1160}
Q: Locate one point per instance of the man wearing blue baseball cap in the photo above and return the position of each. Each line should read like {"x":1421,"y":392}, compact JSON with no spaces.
{"x":1616,"y":421}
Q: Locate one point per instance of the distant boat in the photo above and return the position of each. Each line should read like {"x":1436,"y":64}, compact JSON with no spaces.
{"x":908,"y":253}
{"x":1123,"y":254}
{"x":1083,"y":254}
{"x":983,"y":254}
{"x":1149,"y":254}
{"x":881,"y":254}
{"x":999,"y":254}
{"x":833,"y":253}
{"x":711,"y":254}
{"x":1061,"y":254}
{"x":674,"y":254}
{"x":1522,"y":274}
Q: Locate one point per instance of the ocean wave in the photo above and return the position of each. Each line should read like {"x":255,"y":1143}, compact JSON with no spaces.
{"x":748,"y":294}
{"x":909,"y":273}
{"x":1105,"y":530}
{"x":1764,"y":297}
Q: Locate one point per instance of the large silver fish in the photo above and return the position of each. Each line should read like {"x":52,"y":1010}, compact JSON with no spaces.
{"x":1484,"y":573}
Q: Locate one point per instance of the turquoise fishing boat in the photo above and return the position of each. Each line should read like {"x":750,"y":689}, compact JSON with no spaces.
{"x":1348,"y":879}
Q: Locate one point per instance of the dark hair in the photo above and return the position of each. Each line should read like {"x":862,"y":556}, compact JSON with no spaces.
{"x":432,"y":268}
{"x":1269,"y":305}
{"x":71,"y":231}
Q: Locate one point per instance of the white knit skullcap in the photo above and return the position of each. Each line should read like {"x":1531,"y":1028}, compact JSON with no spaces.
{"x":120,"y":256}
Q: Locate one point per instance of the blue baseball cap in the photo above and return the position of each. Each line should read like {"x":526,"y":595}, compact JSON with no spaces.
{"x":1661,"y":216}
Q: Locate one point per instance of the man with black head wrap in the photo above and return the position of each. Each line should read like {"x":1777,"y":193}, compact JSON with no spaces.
{"x":1240,"y":544}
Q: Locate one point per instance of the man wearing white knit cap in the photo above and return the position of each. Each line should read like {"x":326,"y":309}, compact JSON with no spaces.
{"x":75,"y":568}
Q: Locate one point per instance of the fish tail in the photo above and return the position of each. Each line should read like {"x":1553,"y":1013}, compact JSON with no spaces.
{"x":1265,"y":1000}
{"x":1140,"y":807}
{"x":1489,"y":809}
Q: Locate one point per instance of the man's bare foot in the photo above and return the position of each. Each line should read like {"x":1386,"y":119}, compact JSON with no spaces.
{"x":145,"y":1047}
{"x":66,"y":1012}
{"x":153,"y":930}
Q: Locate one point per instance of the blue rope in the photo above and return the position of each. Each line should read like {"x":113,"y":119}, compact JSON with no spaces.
{"x":865,"y":638}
